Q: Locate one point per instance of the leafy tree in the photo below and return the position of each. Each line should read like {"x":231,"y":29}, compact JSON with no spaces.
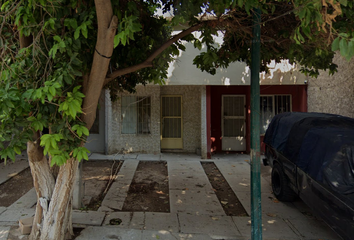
{"x":57,"y":56}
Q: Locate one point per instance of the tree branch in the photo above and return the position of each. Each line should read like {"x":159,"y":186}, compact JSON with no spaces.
{"x":107,"y":25}
{"x":148,"y":61}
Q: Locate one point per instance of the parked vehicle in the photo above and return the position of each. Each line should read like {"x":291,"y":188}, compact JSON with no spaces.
{"x":312,"y":157}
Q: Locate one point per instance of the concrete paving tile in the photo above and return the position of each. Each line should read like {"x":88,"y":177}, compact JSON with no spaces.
{"x":179,"y":157}
{"x":11,"y":169}
{"x":208,"y":224}
{"x":2,"y":209}
{"x":272,"y":227}
{"x":165,"y":235}
{"x":233,"y":168}
{"x":270,"y":205}
{"x":117,"y":193}
{"x":183,"y":180}
{"x":311,"y":229}
{"x":97,"y":156}
{"x":231,"y":157}
{"x":4,"y":232}
{"x":161,"y":221}
{"x":130,"y":156}
{"x":152,"y":157}
{"x":195,"y":202}
{"x":107,"y":233}
{"x":87,"y":218}
{"x":13,"y":215}
{"x":26,"y":201}
{"x":189,"y":175}
{"x":242,"y":183}
{"x":133,"y":220}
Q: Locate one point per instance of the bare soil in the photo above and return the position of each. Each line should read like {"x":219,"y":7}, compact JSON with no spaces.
{"x":15,"y":187}
{"x":229,"y":201}
{"x":149,"y":190}
{"x":98,"y":176}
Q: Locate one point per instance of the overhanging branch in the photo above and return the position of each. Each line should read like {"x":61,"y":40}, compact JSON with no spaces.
{"x":148,"y":61}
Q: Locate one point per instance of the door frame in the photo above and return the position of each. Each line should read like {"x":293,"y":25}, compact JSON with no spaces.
{"x":244,"y":118}
{"x":171,"y":141}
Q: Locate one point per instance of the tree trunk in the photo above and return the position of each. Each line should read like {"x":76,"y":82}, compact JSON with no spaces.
{"x":56,"y":220}
{"x":43,"y":182}
{"x":54,"y":205}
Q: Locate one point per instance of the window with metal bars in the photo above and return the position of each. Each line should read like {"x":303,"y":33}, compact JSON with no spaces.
{"x":136,"y":112}
{"x":271,"y":105}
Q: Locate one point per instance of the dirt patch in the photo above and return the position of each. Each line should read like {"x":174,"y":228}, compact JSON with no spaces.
{"x":98,"y":176}
{"x":149,"y":190}
{"x":15,"y":187}
{"x":229,"y":201}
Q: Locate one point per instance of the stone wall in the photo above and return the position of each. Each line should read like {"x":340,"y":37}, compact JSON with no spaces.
{"x":191,"y":114}
{"x":333,"y":94}
{"x":137,"y":143}
{"x":150,"y":143}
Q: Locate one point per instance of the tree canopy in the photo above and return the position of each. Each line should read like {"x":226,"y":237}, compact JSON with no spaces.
{"x":43,"y":85}
{"x":57,"y":56}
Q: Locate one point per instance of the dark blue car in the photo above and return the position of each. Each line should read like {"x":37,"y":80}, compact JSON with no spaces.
{"x":312,"y":157}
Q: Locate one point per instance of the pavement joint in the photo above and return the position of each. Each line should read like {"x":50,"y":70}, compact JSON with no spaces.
{"x":187,"y":219}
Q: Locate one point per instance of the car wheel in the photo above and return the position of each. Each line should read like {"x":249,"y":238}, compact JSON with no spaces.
{"x":280,"y":185}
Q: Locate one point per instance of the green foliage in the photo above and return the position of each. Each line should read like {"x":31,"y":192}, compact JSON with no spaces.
{"x":40,"y":85}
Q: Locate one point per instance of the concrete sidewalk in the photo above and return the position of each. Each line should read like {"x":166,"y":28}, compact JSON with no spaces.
{"x":195,"y":213}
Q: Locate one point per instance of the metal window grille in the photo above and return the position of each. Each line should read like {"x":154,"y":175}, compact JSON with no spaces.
{"x":233,"y":116}
{"x":136,"y":113}
{"x":272,"y":105}
{"x":171,"y":117}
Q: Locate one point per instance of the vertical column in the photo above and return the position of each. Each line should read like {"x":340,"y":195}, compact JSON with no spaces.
{"x":256,"y":209}
{"x":108,"y":122}
{"x":203,"y":124}
{"x":208,"y":115}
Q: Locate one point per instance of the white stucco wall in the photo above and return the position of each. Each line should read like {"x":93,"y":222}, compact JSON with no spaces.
{"x":183,"y":72}
{"x":333,"y":94}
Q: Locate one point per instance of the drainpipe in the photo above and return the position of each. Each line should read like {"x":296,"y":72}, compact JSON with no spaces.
{"x":256,"y":209}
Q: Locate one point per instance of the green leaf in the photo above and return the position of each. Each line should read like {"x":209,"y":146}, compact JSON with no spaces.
{"x":343,"y":47}
{"x":57,"y":38}
{"x":50,"y":97}
{"x":77,"y":33}
{"x":344,"y":2}
{"x":350,"y":53}
{"x":85,"y":131}
{"x":52,"y":90}
{"x":84,"y":30}
{"x":335,"y":44}
{"x":116,"y":40}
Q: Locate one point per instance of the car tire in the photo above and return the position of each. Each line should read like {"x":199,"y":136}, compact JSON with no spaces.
{"x":280,"y":185}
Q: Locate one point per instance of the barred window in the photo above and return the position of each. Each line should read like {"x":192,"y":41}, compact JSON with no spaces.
{"x":136,"y":112}
{"x":270,"y":106}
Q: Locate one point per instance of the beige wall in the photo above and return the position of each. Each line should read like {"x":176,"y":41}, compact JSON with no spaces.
{"x":191,"y":114}
{"x":125,"y":143}
{"x":333,"y":94}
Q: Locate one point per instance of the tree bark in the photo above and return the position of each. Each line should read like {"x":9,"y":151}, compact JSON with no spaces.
{"x":107,"y":25}
{"x":57,"y":218}
{"x":43,"y":182}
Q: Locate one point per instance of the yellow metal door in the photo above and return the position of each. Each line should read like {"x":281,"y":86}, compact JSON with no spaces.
{"x":171,"y":122}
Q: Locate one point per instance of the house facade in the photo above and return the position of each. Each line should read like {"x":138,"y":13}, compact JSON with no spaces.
{"x":333,"y":93}
{"x":194,"y":111}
